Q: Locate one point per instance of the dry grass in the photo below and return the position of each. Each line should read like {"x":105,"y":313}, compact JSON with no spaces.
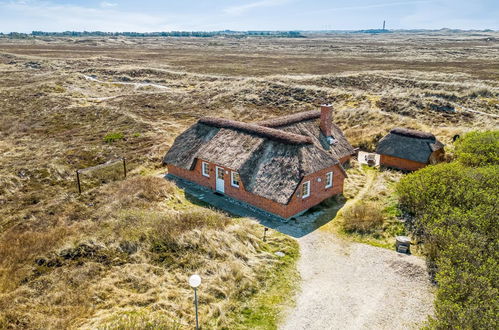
{"x":141,"y":191}
{"x":370,"y":214}
{"x":363,"y":217}
{"x":19,"y":249}
{"x":54,"y":121}
{"x":132,"y":264}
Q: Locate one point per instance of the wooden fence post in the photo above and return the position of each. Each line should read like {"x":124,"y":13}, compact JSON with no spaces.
{"x":78,"y":180}
{"x":124,"y":166}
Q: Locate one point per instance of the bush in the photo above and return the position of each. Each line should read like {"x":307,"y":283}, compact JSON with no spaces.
{"x":453,"y":210}
{"x":362,"y":217}
{"x":478,"y":148}
{"x":112,"y":137}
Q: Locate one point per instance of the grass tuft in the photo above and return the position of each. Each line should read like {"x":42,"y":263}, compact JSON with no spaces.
{"x":113,"y":137}
{"x":363,"y":217}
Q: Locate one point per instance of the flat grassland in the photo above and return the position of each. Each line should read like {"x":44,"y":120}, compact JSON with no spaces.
{"x":69,"y":103}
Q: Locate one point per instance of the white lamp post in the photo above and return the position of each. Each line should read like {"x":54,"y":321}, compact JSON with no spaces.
{"x":194,"y":282}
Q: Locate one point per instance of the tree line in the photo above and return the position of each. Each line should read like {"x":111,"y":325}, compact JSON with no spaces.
{"x":199,"y":34}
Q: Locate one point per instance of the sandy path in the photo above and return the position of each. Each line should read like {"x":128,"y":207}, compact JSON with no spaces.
{"x":135,"y":84}
{"x":348,"y":285}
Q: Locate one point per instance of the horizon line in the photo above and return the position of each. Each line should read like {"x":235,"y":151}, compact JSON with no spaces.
{"x":247,"y":31}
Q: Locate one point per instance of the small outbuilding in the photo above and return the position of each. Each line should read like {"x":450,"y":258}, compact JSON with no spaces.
{"x":409,"y":150}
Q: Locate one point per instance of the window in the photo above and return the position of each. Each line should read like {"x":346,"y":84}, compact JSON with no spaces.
{"x":305,"y":189}
{"x":205,"y":168}
{"x":329,"y":179}
{"x":220,"y":173}
{"x":234,"y":179}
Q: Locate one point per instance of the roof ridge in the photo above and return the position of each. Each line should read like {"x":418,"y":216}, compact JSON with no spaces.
{"x":412,"y":133}
{"x":275,"y":134}
{"x":290,"y":119}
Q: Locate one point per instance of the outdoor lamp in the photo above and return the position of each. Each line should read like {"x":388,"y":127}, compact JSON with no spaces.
{"x":194,"y":282}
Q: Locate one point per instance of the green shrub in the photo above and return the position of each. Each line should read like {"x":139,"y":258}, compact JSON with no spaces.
{"x":362,"y":217}
{"x":478,"y":148}
{"x":112,"y":137}
{"x":453,"y":210}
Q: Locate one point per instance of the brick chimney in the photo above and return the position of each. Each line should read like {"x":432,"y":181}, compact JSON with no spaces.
{"x":326,"y":119}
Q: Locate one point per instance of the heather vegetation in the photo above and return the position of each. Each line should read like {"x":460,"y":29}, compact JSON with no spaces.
{"x":124,"y":263}
{"x":98,"y":260}
{"x":453,"y":212}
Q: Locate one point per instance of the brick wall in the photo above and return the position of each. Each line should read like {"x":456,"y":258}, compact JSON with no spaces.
{"x":296,"y":205}
{"x":400,"y":163}
{"x":437,"y":156}
{"x":318,"y":190}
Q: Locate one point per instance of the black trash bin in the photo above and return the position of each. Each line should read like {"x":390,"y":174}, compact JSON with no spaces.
{"x":403,"y":244}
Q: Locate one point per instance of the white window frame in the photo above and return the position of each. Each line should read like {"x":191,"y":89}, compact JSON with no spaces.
{"x":307,"y":194}
{"x":205,"y":169}
{"x":329,"y":176}
{"x":232,"y":179}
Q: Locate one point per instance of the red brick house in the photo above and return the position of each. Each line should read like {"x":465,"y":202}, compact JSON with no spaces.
{"x":409,"y":150}
{"x":283,"y":165}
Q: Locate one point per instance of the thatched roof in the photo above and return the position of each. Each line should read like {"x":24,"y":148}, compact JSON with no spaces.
{"x":409,"y":144}
{"x":309,"y":126}
{"x":412,"y":133}
{"x":262,"y":131}
{"x":271,"y":162}
{"x":183,"y":151}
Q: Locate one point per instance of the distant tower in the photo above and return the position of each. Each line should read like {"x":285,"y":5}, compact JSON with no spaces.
{"x":383,"y":25}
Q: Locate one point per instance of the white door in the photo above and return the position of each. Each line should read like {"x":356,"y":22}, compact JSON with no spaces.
{"x":220,"y":180}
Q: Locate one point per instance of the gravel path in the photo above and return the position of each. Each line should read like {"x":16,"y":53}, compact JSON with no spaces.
{"x":348,"y":285}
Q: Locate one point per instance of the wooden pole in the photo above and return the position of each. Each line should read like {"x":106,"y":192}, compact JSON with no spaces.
{"x":124,"y":166}
{"x":78,"y":180}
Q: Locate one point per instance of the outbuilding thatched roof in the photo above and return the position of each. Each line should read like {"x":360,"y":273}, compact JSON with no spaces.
{"x":412,"y":133}
{"x":409,"y":144}
{"x":271,"y":161}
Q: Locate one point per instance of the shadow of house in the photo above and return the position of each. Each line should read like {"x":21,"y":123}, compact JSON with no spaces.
{"x":295,"y":227}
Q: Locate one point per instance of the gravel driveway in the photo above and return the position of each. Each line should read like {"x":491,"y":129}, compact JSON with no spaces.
{"x":345,"y":285}
{"x":348,"y":285}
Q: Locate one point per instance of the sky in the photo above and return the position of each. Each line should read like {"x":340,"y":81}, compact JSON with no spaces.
{"x":243,"y":15}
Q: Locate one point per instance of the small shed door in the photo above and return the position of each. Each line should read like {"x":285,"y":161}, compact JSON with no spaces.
{"x":220,"y":186}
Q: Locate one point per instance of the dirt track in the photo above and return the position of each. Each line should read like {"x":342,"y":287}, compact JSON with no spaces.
{"x":349,"y":285}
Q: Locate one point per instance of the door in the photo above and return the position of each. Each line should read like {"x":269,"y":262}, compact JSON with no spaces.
{"x":220,"y":186}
